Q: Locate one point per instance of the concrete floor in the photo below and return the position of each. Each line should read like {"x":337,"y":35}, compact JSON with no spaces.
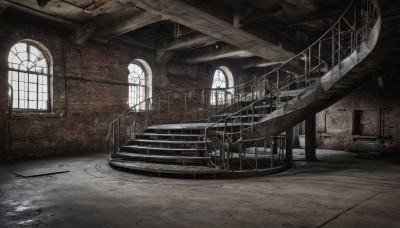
{"x":339,"y":191}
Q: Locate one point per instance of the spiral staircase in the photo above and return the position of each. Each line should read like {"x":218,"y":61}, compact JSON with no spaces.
{"x":238,"y":131}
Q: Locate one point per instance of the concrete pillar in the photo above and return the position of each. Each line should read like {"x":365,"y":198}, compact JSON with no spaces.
{"x":310,"y":139}
{"x":289,"y":144}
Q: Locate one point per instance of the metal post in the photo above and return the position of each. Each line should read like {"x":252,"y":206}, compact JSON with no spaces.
{"x":340,"y":42}
{"x":277,"y":87}
{"x":265,"y":146}
{"x":185,"y":107}
{"x":309,"y":66}
{"x":289,"y":144}
{"x":168,"y":104}
{"x":319,"y":59}
{"x":113,"y":139}
{"x":256,"y":153}
{"x":333,"y":46}
{"x":272,"y":153}
{"x":146,"y":113}
{"x":159,"y":109}
{"x":119,"y":132}
{"x":252,"y":95}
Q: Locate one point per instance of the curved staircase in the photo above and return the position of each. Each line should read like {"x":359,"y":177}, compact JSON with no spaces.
{"x":239,"y":131}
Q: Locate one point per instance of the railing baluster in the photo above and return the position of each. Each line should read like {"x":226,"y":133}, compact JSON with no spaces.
{"x":159,"y":109}
{"x":185,"y":107}
{"x":333,"y":46}
{"x":119,"y":132}
{"x":168,"y":106}
{"x":339,"y":42}
{"x":256,"y":154}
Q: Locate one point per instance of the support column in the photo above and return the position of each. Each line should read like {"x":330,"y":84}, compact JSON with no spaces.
{"x":310,"y":139}
{"x":289,"y":144}
{"x":274,"y":146}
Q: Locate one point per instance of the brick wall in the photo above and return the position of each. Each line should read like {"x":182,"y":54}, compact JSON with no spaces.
{"x":89,"y":89}
{"x":366,"y":120}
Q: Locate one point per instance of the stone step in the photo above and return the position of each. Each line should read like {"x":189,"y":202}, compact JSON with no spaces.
{"x":192,"y":126}
{"x":165,"y":157}
{"x":169,"y":141}
{"x":164,"y":168}
{"x":160,"y":148}
{"x":170,"y":135}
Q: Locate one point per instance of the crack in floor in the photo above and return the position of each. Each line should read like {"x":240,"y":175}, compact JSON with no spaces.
{"x":348,"y":209}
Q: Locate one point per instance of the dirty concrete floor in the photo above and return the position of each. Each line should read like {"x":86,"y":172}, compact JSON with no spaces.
{"x":338,"y":191}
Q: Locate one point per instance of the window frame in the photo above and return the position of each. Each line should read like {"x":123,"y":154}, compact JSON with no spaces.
{"x":142,"y":107}
{"x":229,"y":84}
{"x":48,"y":60}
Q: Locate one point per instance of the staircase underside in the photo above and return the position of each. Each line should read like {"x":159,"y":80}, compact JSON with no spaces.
{"x":340,"y":81}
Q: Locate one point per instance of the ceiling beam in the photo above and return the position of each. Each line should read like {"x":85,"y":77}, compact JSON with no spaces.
{"x":256,"y":62}
{"x":105,"y":27}
{"x":140,"y":40}
{"x":186,"y":41}
{"x":127,"y":25}
{"x":213,"y":26}
{"x":166,"y":50}
{"x":213,"y":52}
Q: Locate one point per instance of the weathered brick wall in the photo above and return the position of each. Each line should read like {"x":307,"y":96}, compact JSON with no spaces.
{"x":375,"y":129}
{"x":89,"y":90}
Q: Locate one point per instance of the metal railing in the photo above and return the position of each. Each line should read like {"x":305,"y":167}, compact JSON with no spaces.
{"x":253,"y":99}
{"x":267,"y":93}
{"x":256,"y":154}
{"x":175,"y":106}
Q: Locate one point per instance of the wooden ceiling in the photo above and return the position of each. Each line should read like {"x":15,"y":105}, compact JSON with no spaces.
{"x":254,"y":33}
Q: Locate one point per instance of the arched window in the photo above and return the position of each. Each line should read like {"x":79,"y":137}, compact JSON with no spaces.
{"x":28,"y":74}
{"x":222,"y":80}
{"x":139,"y":80}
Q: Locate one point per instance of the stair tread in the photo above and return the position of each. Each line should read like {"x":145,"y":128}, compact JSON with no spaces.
{"x":173,"y":157}
{"x":267,"y":105}
{"x":169,"y":141}
{"x":164,"y":168}
{"x":241,"y":116}
{"x":161,"y":148}
{"x":186,"y":126}
{"x":173,"y":135}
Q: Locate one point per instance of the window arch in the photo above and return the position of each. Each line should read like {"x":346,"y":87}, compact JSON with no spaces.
{"x":29,"y":65}
{"x":140,"y":83}
{"x":222,"y":79}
